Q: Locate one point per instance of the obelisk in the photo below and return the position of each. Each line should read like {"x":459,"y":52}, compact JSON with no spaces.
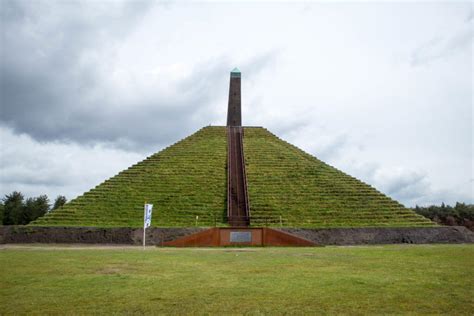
{"x":234,"y":111}
{"x":237,"y":196}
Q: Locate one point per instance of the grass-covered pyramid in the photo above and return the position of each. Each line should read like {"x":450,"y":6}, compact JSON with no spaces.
{"x":187,"y":183}
{"x":185,"y":180}
{"x":286,"y":181}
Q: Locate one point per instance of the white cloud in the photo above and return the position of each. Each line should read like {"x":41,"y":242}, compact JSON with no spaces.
{"x":444,"y":46}
{"x":55,"y":168}
{"x":336,"y":79}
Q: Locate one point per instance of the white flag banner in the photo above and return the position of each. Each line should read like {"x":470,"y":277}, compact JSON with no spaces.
{"x":147,"y":217}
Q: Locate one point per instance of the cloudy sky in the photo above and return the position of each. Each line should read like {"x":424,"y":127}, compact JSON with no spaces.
{"x":382,"y":91}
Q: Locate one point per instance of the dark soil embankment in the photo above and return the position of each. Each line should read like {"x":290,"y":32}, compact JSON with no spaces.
{"x":376,"y":235}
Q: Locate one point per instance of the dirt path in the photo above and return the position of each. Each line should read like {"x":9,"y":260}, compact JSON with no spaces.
{"x":113,"y":247}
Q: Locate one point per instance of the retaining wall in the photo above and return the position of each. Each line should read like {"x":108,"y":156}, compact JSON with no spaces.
{"x":91,"y":235}
{"x":157,"y":236}
{"x":376,"y":235}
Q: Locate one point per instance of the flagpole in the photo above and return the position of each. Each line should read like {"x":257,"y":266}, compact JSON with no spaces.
{"x":144,"y":225}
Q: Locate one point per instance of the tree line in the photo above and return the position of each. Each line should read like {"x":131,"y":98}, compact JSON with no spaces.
{"x":16,"y":210}
{"x":461,"y":214}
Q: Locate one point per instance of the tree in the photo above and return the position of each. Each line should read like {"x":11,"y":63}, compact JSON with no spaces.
{"x":460,"y":214}
{"x":2,"y":211}
{"x":34,"y":208}
{"x":25,"y":215}
{"x":60,"y":201}
{"x":41,"y":206}
{"x":13,"y":208}
{"x":17,"y":211}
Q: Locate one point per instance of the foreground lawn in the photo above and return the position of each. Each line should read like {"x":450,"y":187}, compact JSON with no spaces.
{"x":351,"y":280}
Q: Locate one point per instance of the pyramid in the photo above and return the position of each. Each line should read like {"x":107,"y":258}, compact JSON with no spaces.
{"x":286,"y":187}
{"x":199,"y":182}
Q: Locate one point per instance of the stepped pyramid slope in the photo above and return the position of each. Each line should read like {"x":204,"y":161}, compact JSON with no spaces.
{"x":185,"y":180}
{"x":286,"y":186}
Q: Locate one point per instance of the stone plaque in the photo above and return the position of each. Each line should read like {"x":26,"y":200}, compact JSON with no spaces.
{"x":240,"y":236}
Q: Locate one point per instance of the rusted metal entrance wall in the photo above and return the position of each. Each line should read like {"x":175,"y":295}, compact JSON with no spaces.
{"x":237,"y":197}
{"x":228,"y":236}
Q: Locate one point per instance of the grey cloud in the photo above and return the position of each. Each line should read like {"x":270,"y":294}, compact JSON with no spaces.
{"x":52,"y":91}
{"x":288,"y":126}
{"x":407,"y":186}
{"x":57,"y":85}
{"x":442,"y":47}
{"x":32,"y":106}
{"x":340,"y":150}
{"x":470,"y":16}
{"x":324,"y":143}
{"x":334,"y":149}
{"x":255,"y":66}
{"x":64,"y":117}
{"x":56,"y":168}
{"x":410,"y":187}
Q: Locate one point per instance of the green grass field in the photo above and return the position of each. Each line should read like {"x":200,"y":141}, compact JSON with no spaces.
{"x":416,"y":279}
